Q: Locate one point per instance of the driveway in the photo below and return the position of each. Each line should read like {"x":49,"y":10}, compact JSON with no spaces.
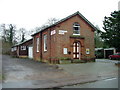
{"x":26,"y":73}
{"x":101,"y":71}
{"x":97,"y":68}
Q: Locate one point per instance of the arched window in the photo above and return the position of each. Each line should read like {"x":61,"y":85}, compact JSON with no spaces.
{"x":76,"y":29}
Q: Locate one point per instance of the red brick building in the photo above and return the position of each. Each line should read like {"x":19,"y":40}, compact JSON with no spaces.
{"x":71,"y":37}
{"x":15,"y":51}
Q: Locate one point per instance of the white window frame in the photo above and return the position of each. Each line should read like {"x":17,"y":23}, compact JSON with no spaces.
{"x":65,"y":51}
{"x":45,"y":42}
{"x":23,"y":47}
{"x":12,"y":49}
{"x":74,"y":25}
{"x":37,"y":44}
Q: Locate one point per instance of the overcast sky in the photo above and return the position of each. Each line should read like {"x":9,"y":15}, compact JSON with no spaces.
{"x":34,"y":13}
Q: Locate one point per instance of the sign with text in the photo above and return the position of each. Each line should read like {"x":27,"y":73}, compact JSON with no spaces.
{"x":62,"y":31}
{"x":64,"y":50}
{"x":87,"y":51}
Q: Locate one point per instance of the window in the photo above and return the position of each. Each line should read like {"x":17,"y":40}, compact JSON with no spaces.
{"x":45,"y":42}
{"x":12,"y":49}
{"x":23,"y":47}
{"x":65,"y":51}
{"x":76,"y":29}
{"x":15,"y":48}
{"x":37,"y":43}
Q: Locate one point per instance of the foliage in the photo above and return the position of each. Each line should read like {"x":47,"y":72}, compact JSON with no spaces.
{"x":2,"y":77}
{"x":64,"y":58}
{"x":99,"y":42}
{"x":60,"y":58}
{"x":99,"y":53}
{"x":22,"y":36}
{"x":8,"y":37}
{"x":11,"y":33}
{"x":6,"y":47}
{"x":111,"y":35}
{"x":8,"y":33}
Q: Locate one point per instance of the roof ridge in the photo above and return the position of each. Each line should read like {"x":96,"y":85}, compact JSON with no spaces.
{"x":21,"y":42}
{"x":66,"y":19}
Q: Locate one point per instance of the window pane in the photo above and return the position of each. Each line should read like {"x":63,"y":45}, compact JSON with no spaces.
{"x":45,"y":42}
{"x":73,"y":49}
{"x":76,"y":32}
{"x":73,"y":55}
{"x":37,"y":44}
{"x":77,"y":49}
{"x":76,"y":28}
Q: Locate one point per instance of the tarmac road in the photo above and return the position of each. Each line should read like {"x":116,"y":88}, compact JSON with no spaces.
{"x":107,"y":83}
{"x":25,"y":73}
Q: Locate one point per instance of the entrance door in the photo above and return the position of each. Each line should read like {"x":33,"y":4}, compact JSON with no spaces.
{"x":76,"y":50}
{"x":30,"y":52}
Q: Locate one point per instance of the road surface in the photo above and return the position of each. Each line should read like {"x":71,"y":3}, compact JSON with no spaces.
{"x":107,"y":83}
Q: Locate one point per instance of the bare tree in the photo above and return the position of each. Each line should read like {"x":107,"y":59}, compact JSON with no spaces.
{"x":52,"y":21}
{"x":3,"y":32}
{"x":8,"y":37}
{"x":49,"y":22}
{"x":8,"y":33}
{"x":22,"y":34}
{"x":11,"y":33}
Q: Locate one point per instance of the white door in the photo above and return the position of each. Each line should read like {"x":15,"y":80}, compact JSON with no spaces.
{"x":30,"y":52}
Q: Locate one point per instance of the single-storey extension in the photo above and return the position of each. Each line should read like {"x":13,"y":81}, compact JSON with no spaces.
{"x":23,"y":49}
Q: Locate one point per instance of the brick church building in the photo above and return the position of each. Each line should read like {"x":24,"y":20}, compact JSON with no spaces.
{"x":71,"y":37}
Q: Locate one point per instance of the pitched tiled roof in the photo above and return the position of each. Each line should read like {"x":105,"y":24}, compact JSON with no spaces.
{"x":22,"y":42}
{"x":62,"y":20}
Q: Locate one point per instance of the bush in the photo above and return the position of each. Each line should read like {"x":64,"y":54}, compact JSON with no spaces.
{"x":99,"y":54}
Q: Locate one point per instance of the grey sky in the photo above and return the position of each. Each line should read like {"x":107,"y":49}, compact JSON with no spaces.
{"x":34,"y":13}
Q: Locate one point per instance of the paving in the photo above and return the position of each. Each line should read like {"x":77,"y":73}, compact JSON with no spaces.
{"x":25,"y":73}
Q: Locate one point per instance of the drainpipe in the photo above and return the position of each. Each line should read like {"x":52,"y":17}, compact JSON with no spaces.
{"x":50,"y":43}
{"x":41,"y":45}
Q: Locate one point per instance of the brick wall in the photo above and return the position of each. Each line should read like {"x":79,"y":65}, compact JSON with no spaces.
{"x":24,"y":52}
{"x":36,"y":55}
{"x":56,"y":42}
{"x":64,"y":41}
